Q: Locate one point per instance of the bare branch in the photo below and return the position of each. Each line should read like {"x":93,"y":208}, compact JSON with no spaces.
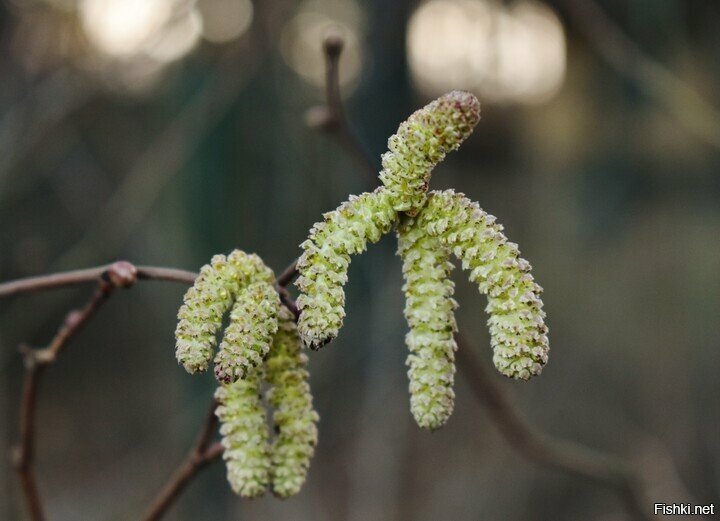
{"x":35,"y":362}
{"x":79,"y":277}
{"x":331,"y":118}
{"x":201,"y":454}
{"x":288,"y":274}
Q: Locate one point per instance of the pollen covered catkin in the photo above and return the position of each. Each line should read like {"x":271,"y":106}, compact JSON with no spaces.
{"x":244,"y":431}
{"x":324,"y":263}
{"x":206,"y":302}
{"x":517,"y":329}
{"x":429,"y":310}
{"x":422,"y":142}
{"x":247,"y":339}
{"x":294,"y":417}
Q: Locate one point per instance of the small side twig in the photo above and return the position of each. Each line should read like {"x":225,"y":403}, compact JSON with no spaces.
{"x":36,"y":360}
{"x":203,"y":452}
{"x":331,"y":117}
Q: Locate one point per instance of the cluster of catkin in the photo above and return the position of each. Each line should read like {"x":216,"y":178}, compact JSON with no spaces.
{"x":260,"y":343}
{"x":263,"y":343}
{"x":431,"y":228}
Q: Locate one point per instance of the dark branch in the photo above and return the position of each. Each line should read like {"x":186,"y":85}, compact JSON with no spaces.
{"x":331,"y":118}
{"x":201,"y":454}
{"x":36,"y":360}
{"x":79,"y":277}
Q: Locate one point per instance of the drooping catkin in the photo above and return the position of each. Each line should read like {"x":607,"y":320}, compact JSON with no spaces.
{"x":429,"y":310}
{"x":324,"y":263}
{"x":243,"y":426}
{"x":206,"y":302}
{"x":294,"y":417}
{"x":518,"y":332}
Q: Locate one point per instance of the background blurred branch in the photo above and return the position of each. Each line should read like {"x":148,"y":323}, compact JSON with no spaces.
{"x":604,"y":469}
{"x":617,"y":49}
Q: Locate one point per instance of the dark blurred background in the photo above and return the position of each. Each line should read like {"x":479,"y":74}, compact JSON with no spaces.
{"x":165,"y":131}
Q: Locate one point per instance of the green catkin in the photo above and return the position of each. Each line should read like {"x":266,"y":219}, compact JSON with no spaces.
{"x":422,"y":142}
{"x":243,"y":426}
{"x":419,"y":144}
{"x":324,"y":263}
{"x":207,"y":301}
{"x":247,"y":339}
{"x":429,"y":310}
{"x":517,"y":329}
{"x":294,"y":417}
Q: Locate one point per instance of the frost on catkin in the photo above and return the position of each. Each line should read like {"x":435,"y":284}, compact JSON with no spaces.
{"x":324,"y":263}
{"x":294,"y":417}
{"x":243,"y":426}
{"x":422,"y":142}
{"x":205,"y":303}
{"x":429,"y":310}
{"x":517,"y":329}
{"x":247,"y":339}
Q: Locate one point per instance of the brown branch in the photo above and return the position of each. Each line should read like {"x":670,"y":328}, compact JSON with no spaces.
{"x":202,"y":453}
{"x":331,"y":118}
{"x":603,"y":469}
{"x":84,"y":276}
{"x":117,"y":275}
{"x":288,"y":274}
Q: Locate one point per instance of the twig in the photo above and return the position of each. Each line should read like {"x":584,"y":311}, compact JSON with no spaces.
{"x":288,"y":274}
{"x":603,"y":469}
{"x":78,"y":277}
{"x":35,"y":362}
{"x":202,"y":453}
{"x":331,"y":118}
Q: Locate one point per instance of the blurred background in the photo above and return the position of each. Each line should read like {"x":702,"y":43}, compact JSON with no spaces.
{"x":165,"y":131}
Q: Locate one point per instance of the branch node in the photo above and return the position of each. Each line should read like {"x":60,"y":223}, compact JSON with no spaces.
{"x":121,"y":274}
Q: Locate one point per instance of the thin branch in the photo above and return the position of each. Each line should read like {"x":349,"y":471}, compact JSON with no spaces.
{"x":84,"y":276}
{"x":288,"y":274}
{"x":331,"y":118}
{"x":604,"y":469}
{"x":35,"y":362}
{"x":202,"y":453}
